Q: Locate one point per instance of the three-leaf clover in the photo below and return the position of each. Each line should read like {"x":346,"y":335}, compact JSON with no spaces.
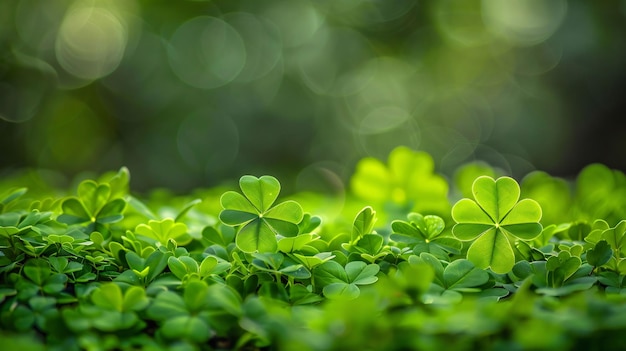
{"x":342,"y":282}
{"x":95,"y":204}
{"x":494,"y":219}
{"x":259,"y":221}
{"x":425,"y":232}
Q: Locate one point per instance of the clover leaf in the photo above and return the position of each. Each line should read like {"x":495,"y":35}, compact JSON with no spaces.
{"x":408,"y":179}
{"x":259,"y":221}
{"x":493,"y":220}
{"x":95,"y":204}
{"x":164,"y":230}
{"x":425,"y":232}
{"x":342,"y":282}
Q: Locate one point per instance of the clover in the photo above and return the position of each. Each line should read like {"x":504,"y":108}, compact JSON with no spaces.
{"x":259,"y":222}
{"x":495,"y":219}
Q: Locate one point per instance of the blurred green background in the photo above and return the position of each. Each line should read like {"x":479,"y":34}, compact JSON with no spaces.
{"x":190,"y":93}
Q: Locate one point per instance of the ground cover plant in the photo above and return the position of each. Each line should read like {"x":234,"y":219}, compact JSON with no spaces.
{"x":410,"y":261}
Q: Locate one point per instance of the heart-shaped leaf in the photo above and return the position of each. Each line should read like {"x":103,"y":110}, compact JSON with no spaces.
{"x":108,"y":296}
{"x":93,"y":195}
{"x":341,"y":291}
{"x":462,"y":273}
{"x":492,"y":249}
{"x":186,"y":327}
{"x":599,"y":254}
{"x":261,"y":192}
{"x":73,"y":212}
{"x":196,"y":295}
{"x":360,"y":273}
{"x":370,"y":244}
{"x":112,"y":211}
{"x":37,"y":270}
{"x":363,"y":223}
{"x":496,"y":197}
{"x":167,"y":305}
{"x":493,"y":219}
{"x":330,"y":272}
{"x":256,"y":236}
{"x":164,"y":230}
{"x":135,"y":299}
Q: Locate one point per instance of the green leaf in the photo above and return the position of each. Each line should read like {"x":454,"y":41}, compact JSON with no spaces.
{"x":224,"y":297}
{"x":360,"y":273}
{"x":432,"y":226}
{"x":599,"y":254}
{"x":73,"y":212}
{"x":299,"y":295}
{"x":270,"y":260}
{"x":432,"y":261}
{"x":491,"y":218}
{"x":463,"y":274}
{"x":22,"y":318}
{"x":58,"y":263}
{"x":260,"y":223}
{"x":186,"y":209}
{"x":164,"y":230}
{"x":313,"y":261}
{"x":167,"y":305}
{"x":262,"y":192}
{"x":492,"y":250}
{"x":616,"y":236}
{"x":341,"y":291}
{"x":108,"y":296}
{"x":237,"y":209}
{"x":288,"y":211}
{"x":296,"y":271}
{"x":468,"y":211}
{"x":363,"y":224}
{"x":280,"y":227}
{"x":135,"y":299}
{"x":93,"y":196}
{"x":370,"y":243}
{"x":222,"y":238}
{"x":196,"y":295}
{"x":111,"y":212}
{"x":186,"y":327}
{"x":295,"y":243}
{"x":55,"y":283}
{"x":525,"y":211}
{"x":135,"y":261}
{"x":496,"y":197}
{"x":331,"y":272}
{"x":207,"y":265}
{"x":12,"y":194}
{"x":256,"y":236}
{"x":37,"y":270}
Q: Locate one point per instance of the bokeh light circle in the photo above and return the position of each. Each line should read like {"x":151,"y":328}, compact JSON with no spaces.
{"x":524,"y":22}
{"x":297,"y":20}
{"x":329,"y":61}
{"x":262,"y":41}
{"x":206,"y":52}
{"x":91,"y":42}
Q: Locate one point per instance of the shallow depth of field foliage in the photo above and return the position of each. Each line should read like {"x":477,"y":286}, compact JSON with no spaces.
{"x":312,"y":175}
{"x":488,"y":262}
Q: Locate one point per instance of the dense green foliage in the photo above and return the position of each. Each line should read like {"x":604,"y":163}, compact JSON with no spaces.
{"x":408,"y":260}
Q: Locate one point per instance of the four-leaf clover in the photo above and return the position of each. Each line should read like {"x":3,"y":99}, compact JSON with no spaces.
{"x":494,"y":219}
{"x":259,"y":221}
